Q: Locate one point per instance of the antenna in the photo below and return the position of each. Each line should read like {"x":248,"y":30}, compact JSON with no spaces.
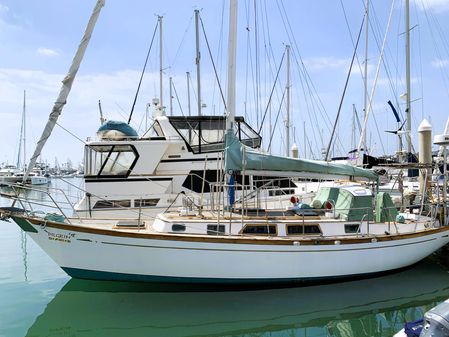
{"x":102,"y":119}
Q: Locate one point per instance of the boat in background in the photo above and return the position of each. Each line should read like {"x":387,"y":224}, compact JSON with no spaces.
{"x":125,"y":174}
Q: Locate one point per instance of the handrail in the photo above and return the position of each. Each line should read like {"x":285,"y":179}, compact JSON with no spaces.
{"x":18,"y":196}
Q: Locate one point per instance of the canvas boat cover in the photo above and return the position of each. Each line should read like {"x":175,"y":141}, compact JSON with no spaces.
{"x":239,"y":157}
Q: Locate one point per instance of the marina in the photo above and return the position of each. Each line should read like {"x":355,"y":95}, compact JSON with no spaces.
{"x":215,"y":224}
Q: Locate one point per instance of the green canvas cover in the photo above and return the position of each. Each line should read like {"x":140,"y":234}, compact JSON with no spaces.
{"x":239,"y":157}
{"x":324,"y":194}
{"x":385,"y":210}
{"x":354,"y":207}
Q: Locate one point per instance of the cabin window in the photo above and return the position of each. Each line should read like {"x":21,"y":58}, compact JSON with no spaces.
{"x":352,"y":228}
{"x":145,"y":202}
{"x":215,"y":229}
{"x":110,"y":160}
{"x":303,"y":230}
{"x":260,"y":229}
{"x":178,"y":227}
{"x":112,"y":204}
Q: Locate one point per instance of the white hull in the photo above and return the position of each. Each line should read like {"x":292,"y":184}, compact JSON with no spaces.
{"x":32,"y":180}
{"x":87,"y":253}
{"x":39,"y":180}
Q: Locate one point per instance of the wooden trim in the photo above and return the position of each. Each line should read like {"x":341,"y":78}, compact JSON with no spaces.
{"x":287,"y":241}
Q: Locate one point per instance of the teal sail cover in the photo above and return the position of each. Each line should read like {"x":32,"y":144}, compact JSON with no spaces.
{"x":123,"y":127}
{"x":239,"y":157}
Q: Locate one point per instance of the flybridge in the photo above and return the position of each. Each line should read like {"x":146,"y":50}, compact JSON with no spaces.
{"x":201,"y":134}
{"x":206,"y":133}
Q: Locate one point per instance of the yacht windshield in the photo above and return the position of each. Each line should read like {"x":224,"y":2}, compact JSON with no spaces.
{"x":109,"y":160}
{"x":206,"y":133}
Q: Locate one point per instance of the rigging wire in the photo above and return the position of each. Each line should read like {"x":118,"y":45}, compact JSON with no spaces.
{"x":213,"y":63}
{"x":376,"y":33}
{"x":256,"y":44}
{"x":189,"y":24}
{"x":420,"y":68}
{"x":275,"y":122}
{"x":143,"y":72}
{"x":271,"y":94}
{"x":219,"y":55}
{"x":177,"y":98}
{"x":302,"y":68}
{"x":441,"y":60}
{"x":248,"y":55}
{"x":381,"y":61}
{"x":271,"y":59}
{"x":344,"y":92}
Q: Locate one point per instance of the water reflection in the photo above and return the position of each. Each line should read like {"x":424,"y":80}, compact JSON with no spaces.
{"x":372,"y":307}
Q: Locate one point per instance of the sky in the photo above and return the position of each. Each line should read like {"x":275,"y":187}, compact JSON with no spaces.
{"x":39,"y":38}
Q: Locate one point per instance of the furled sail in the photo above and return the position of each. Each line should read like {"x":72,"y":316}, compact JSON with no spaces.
{"x":66,"y":86}
{"x":238,"y":158}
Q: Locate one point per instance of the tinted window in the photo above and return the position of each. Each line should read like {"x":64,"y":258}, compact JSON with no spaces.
{"x":259,"y":229}
{"x":112,"y":204}
{"x":350,"y":229}
{"x":213,"y":230}
{"x":300,"y":229}
{"x":178,"y":227}
{"x":145,"y":202}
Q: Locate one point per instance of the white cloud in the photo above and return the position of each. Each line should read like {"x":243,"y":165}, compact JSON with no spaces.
{"x":47,"y":52}
{"x":436,"y":5}
{"x":440,"y":63}
{"x":80,"y":115}
{"x":3,"y":9}
{"x":325,"y":63}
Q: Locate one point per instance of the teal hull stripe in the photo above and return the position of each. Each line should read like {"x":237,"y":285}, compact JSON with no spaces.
{"x":25,"y":225}
{"x":109,"y":276}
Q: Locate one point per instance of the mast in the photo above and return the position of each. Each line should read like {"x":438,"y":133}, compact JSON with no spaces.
{"x":22,"y":137}
{"x":407,"y":76}
{"x":198,"y":59}
{"x":24,"y":131}
{"x":365,"y":79}
{"x":159,"y":18}
{"x":66,"y":87}
{"x":171,"y":95}
{"x":305,"y":140}
{"x":188,"y":93}
{"x":232,"y":50}
{"x":287,"y":119}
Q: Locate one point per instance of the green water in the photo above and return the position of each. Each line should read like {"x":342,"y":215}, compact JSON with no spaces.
{"x":39,"y":299}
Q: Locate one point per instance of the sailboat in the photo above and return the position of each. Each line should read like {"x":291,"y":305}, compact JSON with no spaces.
{"x":346,"y":231}
{"x":13,"y":174}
